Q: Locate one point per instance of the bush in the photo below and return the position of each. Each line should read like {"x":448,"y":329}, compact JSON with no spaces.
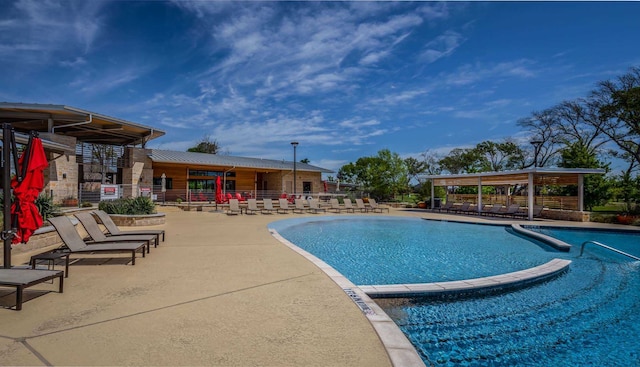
{"x":130,"y":206}
{"x":46,"y":207}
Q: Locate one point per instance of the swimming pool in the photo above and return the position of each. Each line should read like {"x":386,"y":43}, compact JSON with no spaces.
{"x":588,"y":316}
{"x":392,"y":250}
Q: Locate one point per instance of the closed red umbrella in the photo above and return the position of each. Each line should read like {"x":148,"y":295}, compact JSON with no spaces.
{"x":26,"y":216}
{"x":219,"y":197}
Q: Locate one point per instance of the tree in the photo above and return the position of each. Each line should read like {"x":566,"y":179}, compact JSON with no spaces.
{"x":619,"y":105}
{"x":542,"y":126}
{"x":461,"y":161}
{"x":497,"y":157}
{"x":206,"y":145}
{"x":596,"y":187}
{"x":382,"y":176}
{"x":414,"y":168}
{"x":305,"y":160}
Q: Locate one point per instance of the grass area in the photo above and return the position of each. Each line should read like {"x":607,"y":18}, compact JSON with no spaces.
{"x":609,"y":208}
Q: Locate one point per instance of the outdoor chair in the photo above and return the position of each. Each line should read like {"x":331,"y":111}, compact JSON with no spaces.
{"x":511,"y":210}
{"x":97,"y":236}
{"x":348,"y":205}
{"x":25,"y":278}
{"x":113,"y":229}
{"x":283,"y":206}
{"x":376,"y":207}
{"x":462,"y":208}
{"x":495,"y":209}
{"x":300,"y":207}
{"x":335,"y":206}
{"x":360,"y":206}
{"x":267,"y":206}
{"x":537,"y":209}
{"x":314,"y":206}
{"x":73,"y":243}
{"x":252,"y":206}
{"x":446,"y":207}
{"x":234,"y":207}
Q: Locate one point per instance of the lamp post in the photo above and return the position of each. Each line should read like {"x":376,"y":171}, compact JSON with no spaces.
{"x":536,"y":149}
{"x":295,"y":145}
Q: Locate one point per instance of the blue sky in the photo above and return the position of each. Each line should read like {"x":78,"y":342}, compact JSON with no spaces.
{"x":345,"y":79}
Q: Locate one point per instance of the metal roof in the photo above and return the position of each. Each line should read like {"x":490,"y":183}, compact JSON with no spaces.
{"x":85,"y":126}
{"x":46,"y":144}
{"x":204,"y":159}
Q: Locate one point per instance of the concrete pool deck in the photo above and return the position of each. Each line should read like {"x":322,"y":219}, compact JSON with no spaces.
{"x":220,"y":291}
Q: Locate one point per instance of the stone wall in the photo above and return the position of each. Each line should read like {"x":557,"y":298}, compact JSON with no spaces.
{"x":62,"y":174}
{"x":138,"y":173}
{"x":138,"y":220}
{"x":568,"y":215}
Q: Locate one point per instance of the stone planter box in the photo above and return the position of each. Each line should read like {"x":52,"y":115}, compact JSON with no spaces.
{"x":138,"y":220}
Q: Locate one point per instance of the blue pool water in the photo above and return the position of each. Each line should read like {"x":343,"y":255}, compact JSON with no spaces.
{"x":627,"y":241}
{"x":391,"y":250}
{"x":590,"y":316}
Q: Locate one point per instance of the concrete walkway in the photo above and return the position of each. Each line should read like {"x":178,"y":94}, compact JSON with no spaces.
{"x":221,"y":291}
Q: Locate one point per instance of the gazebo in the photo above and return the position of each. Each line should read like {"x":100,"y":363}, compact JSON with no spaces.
{"x":531,"y":177}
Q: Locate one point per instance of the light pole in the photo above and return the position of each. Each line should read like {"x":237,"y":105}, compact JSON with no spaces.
{"x":536,"y":149}
{"x":295,"y":145}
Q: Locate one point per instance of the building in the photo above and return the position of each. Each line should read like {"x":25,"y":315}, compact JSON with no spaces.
{"x":93,"y":156}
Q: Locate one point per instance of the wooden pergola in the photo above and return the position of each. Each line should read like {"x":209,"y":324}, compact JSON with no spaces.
{"x":530,"y":177}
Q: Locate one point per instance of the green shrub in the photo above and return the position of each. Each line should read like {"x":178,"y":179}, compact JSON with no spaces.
{"x":46,"y":207}
{"x":86,"y":204}
{"x":129,"y":206}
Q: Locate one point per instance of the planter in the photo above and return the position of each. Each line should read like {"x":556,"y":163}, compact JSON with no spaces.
{"x":138,"y":220}
{"x":70,"y":202}
{"x":422,"y":205}
{"x":626,"y":219}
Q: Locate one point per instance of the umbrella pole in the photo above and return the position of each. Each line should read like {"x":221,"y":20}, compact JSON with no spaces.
{"x":6,"y":189}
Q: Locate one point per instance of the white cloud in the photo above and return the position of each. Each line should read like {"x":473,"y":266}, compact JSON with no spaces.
{"x":39,"y":30}
{"x":442,"y":46}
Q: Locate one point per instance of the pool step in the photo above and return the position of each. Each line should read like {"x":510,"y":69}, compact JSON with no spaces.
{"x":478,"y":285}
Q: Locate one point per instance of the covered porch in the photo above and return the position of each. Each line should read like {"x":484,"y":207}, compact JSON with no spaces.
{"x":531,"y":178}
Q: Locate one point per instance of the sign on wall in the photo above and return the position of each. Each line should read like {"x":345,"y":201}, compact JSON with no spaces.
{"x":109,"y":192}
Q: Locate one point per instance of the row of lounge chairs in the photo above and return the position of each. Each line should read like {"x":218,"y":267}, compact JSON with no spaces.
{"x":513,"y":210}
{"x":113,"y":240}
{"x":301,"y":206}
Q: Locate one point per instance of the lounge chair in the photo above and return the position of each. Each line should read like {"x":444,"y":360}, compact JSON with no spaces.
{"x":537,"y":209}
{"x":314,"y":207}
{"x":446,"y":207}
{"x":252,"y":206}
{"x":113,"y":229}
{"x":234,"y":207}
{"x":335,"y":206}
{"x":360,"y":206}
{"x":267,"y":206}
{"x":462,"y":208}
{"x":25,"y":278}
{"x":495,"y":209}
{"x":97,"y":236}
{"x":511,"y":210}
{"x":284,"y":206}
{"x":300,"y":206}
{"x":73,"y":243}
{"x":376,"y":207}
{"x":348,"y":205}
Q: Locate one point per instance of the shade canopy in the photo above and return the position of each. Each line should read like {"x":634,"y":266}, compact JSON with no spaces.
{"x":531,"y":177}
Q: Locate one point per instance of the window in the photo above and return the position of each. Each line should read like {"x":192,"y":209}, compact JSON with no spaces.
{"x":202,"y":173}
{"x":157,"y":181}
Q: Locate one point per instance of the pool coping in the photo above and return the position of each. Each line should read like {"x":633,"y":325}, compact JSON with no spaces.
{"x":505,"y":281}
{"x":399,"y":349}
